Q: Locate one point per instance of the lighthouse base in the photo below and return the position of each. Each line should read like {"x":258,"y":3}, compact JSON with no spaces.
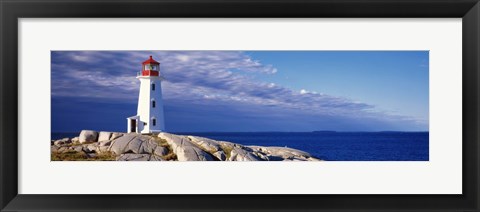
{"x":132,"y":124}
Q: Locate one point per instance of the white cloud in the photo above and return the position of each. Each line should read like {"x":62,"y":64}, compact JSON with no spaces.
{"x":183,"y":58}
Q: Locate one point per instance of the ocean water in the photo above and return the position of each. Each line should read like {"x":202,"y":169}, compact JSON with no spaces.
{"x":333,"y":146}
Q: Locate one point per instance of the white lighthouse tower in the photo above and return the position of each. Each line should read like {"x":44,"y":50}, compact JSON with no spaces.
{"x":149,"y":118}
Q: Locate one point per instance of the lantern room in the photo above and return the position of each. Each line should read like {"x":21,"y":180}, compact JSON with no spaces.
{"x":150,"y":67}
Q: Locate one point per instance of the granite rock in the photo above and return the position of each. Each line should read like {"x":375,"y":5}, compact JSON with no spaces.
{"x":88,"y":136}
{"x":184,"y":149}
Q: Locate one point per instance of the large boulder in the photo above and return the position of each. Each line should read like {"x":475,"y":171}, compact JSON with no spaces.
{"x":104,"y":136}
{"x":134,"y":143}
{"x":54,"y":148}
{"x":160,"y":151}
{"x":242,"y":154}
{"x":206,"y":143}
{"x":62,"y":141}
{"x":228,"y":145}
{"x":116,"y":135}
{"x":120,"y":145}
{"x":212,"y":146}
{"x":156,"y":158}
{"x":238,"y":152}
{"x":147,"y":147}
{"x":138,"y":157}
{"x":88,"y":136}
{"x":104,"y":143}
{"x":184,"y":149}
{"x":286,"y":152}
{"x":78,"y":148}
{"x":220,"y":155}
{"x":133,"y":157}
{"x":62,"y":149}
{"x":90,"y":148}
{"x":282,"y":153}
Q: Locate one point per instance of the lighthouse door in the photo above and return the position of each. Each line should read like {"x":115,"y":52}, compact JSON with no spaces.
{"x":133,"y":125}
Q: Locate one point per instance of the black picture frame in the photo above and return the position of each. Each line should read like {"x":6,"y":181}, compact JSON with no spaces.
{"x":12,"y":10}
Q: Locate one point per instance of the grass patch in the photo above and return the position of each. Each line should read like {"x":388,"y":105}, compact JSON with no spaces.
{"x":105,"y":156}
{"x":169,"y":156}
{"x":77,"y":143}
{"x":72,"y":155}
{"x":68,"y":156}
{"x":160,"y":141}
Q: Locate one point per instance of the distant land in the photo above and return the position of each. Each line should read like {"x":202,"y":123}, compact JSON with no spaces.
{"x":332,"y":131}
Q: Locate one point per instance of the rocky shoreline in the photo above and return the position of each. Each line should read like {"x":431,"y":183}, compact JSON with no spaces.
{"x":102,"y":146}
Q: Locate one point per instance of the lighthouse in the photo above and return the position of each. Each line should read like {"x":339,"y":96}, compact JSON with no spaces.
{"x":149,"y":118}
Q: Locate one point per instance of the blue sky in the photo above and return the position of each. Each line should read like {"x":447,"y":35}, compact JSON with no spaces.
{"x":241,"y":91}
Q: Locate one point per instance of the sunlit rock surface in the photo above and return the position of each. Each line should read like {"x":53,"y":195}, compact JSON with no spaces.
{"x":91,"y":145}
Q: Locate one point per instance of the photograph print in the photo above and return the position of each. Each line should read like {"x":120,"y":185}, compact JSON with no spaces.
{"x":293,"y":106}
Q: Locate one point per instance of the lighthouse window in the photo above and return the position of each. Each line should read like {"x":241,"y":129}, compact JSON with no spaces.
{"x":153,"y":86}
{"x":153,"y":103}
{"x":154,"y":122}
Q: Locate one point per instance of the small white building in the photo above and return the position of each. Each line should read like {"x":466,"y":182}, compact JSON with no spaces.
{"x":149,"y":118}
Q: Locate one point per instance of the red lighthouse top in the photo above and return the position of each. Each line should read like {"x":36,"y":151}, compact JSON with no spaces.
{"x":150,"y":67}
{"x":150,"y":61}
